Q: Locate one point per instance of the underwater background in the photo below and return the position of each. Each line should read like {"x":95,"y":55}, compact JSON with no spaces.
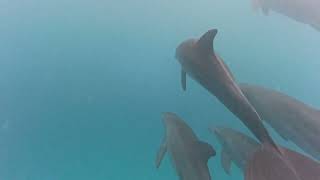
{"x":84,"y":83}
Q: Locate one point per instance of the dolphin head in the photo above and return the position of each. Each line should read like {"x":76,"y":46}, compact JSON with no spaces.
{"x":227,"y":137}
{"x":232,"y":139}
{"x":193,"y":52}
{"x":221,"y":134}
{"x":175,"y":125}
{"x":184,"y":50}
{"x":171,"y":121}
{"x":168,"y":118}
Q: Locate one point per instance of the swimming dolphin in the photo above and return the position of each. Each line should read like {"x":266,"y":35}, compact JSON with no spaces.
{"x":198,"y":60}
{"x":239,"y":149}
{"x":304,"y":11}
{"x":189,"y":155}
{"x":292,"y":119}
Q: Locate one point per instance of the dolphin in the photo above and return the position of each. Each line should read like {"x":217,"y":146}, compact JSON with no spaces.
{"x":239,"y":148}
{"x":200,"y":62}
{"x":303,"y":11}
{"x":189,"y":155}
{"x":290,"y":118}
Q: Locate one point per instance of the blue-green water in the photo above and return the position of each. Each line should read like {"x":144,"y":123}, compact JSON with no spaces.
{"x":83,"y":83}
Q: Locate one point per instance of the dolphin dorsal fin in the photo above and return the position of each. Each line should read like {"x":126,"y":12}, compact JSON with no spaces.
{"x":226,"y":161}
{"x":161,"y":152}
{"x":204,"y":150}
{"x":205,"y":43}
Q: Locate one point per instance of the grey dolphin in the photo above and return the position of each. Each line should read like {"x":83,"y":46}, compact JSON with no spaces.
{"x":303,"y":11}
{"x":239,"y":149}
{"x":189,"y":155}
{"x":236,"y":147}
{"x":198,"y":60}
{"x":292,"y":119}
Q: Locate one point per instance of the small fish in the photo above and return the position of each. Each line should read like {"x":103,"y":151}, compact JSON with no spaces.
{"x":189,"y":155}
{"x":292,"y":119}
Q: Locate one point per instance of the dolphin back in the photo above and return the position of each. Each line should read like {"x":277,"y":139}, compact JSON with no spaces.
{"x":267,"y":164}
{"x":306,"y":167}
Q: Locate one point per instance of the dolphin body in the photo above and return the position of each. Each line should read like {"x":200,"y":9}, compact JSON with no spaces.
{"x":304,"y":11}
{"x":293,"y":120}
{"x":198,"y":60}
{"x":239,"y":149}
{"x":189,"y":155}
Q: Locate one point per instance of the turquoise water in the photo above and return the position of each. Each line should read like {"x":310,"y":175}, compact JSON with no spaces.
{"x":83,"y":83}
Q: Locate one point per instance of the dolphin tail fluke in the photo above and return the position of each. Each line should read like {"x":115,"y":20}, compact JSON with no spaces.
{"x":267,"y":164}
{"x":307,"y":168}
{"x":161,"y":152}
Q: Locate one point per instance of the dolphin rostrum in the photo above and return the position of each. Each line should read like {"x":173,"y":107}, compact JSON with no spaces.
{"x":239,"y":149}
{"x":189,"y":155}
{"x":198,"y":60}
{"x":293,"y":120}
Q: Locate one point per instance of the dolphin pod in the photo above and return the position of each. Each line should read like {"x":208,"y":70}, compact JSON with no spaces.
{"x":239,"y":149}
{"x":293,"y":120}
{"x":199,"y":61}
{"x":189,"y":155}
{"x":303,"y":11}
{"x":259,"y":160}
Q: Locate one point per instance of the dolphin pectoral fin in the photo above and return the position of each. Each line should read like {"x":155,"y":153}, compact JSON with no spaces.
{"x":205,"y":43}
{"x":267,"y":164}
{"x":225,"y":162}
{"x":305,"y":166}
{"x":183,"y":79}
{"x":161,"y":152}
{"x":204,"y":150}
